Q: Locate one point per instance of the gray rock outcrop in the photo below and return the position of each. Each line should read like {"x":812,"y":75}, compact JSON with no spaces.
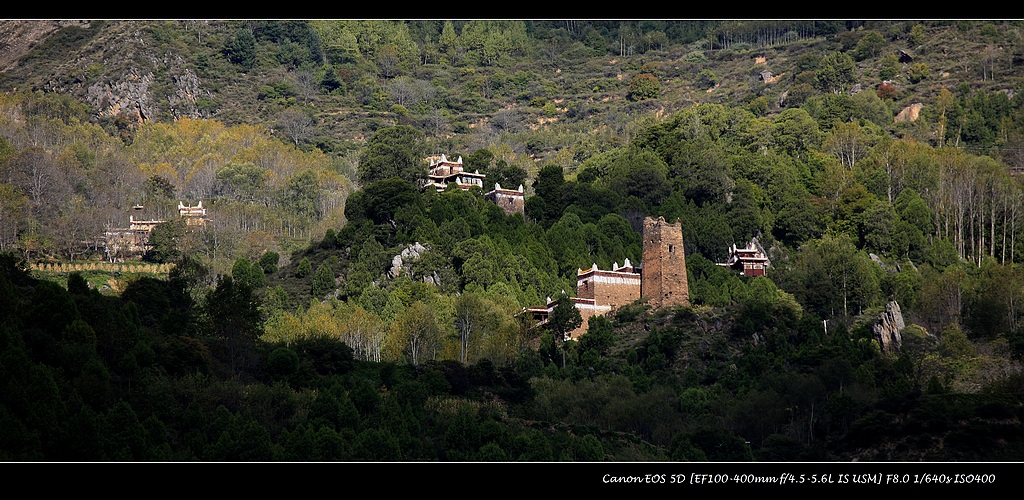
{"x":411,"y":253}
{"x":887,"y":331}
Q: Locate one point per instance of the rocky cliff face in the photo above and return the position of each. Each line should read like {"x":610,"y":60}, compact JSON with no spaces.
{"x":887,"y":331}
{"x":133,"y":95}
{"x":118,"y":71}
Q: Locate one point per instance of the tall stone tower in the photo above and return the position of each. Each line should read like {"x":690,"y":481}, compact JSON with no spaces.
{"x":663,"y":273}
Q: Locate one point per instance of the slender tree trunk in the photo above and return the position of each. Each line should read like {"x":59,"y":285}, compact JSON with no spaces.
{"x":810,"y":426}
{"x":1013,"y":226}
{"x":845,"y":311}
{"x":1005,"y":197}
{"x":969,"y":236}
{"x":992,"y":225}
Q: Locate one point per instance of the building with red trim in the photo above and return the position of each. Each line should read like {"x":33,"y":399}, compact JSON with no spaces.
{"x":444,"y":172}
{"x":749,"y":260}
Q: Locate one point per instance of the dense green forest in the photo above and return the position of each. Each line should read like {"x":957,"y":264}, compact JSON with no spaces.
{"x":331,"y":310}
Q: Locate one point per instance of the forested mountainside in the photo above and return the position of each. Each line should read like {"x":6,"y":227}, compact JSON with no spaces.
{"x":325,"y":307}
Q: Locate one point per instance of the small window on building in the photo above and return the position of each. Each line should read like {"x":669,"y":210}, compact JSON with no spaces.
{"x":670,"y":249}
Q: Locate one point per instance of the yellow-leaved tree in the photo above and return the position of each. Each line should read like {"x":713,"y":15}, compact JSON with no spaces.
{"x":415,"y":334}
{"x":363,"y":331}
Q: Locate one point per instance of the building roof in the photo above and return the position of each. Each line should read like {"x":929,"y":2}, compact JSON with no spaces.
{"x":510,"y":192}
{"x":626,"y":269}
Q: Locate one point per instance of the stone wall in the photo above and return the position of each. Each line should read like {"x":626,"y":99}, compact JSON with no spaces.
{"x":511,"y":201}
{"x":598,"y":292}
{"x":588,"y":309}
{"x":609,"y":288}
{"x":664,"y":264}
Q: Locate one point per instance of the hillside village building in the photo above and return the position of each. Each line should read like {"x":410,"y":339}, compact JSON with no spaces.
{"x":444,"y":172}
{"x":511,"y":201}
{"x":660,"y":280}
{"x":750,"y":260}
{"x":133,"y":241}
{"x":194,"y":216}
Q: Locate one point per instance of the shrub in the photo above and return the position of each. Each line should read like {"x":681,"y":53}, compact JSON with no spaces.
{"x":707,"y":78}
{"x":304,"y":268}
{"x":644,"y":86}
{"x":918,"y":72}
{"x":696,"y":56}
{"x":323,"y":280}
{"x":886,"y":91}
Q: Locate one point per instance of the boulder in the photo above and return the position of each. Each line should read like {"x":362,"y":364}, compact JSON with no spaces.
{"x":909,"y":113}
{"x":409,"y":254}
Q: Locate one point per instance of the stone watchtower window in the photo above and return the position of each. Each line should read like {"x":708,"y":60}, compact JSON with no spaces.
{"x":670,"y":249}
